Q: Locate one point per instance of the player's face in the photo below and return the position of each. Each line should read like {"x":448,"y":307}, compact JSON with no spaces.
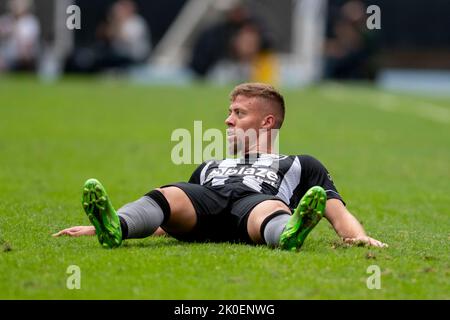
{"x":245,"y":118}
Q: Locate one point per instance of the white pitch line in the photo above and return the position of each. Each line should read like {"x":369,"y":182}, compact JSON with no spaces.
{"x":423,"y":109}
{"x":433,"y":112}
{"x":389,"y":102}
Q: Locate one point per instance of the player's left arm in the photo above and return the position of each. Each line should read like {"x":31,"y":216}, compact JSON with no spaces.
{"x":343,"y":222}
{"x":347,"y":226}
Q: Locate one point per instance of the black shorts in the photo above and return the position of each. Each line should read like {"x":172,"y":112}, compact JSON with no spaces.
{"x":222,"y":212}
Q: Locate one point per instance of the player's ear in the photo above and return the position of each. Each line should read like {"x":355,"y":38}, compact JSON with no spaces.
{"x":268,"y":122}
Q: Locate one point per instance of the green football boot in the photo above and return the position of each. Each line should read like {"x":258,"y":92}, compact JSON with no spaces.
{"x":305,"y":217}
{"x":101,"y":213}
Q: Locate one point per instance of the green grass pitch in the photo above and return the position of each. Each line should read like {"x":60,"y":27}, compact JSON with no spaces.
{"x":389,"y":155}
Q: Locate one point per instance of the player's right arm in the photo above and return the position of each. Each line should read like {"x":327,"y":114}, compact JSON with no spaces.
{"x":79,"y":231}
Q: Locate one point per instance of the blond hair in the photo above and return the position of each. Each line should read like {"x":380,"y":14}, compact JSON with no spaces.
{"x":263,"y":91}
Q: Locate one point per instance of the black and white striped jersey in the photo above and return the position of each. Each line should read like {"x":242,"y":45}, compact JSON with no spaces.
{"x":287,"y":177}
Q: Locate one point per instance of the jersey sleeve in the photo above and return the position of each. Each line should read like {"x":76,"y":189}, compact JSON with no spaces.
{"x":314,"y":173}
{"x":195,"y":177}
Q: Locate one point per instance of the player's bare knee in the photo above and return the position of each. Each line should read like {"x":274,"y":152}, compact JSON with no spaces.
{"x":164,"y":192}
{"x":278,"y":206}
{"x":259,"y":214}
{"x":266,"y":208}
{"x":168,"y":193}
{"x":182,"y":213}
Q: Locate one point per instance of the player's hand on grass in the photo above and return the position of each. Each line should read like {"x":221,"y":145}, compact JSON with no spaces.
{"x":365,"y":241}
{"x":77,"y":231}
